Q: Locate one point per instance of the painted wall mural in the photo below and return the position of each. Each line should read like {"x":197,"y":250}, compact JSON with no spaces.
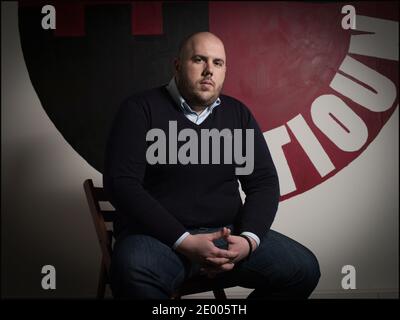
{"x":320,"y":92}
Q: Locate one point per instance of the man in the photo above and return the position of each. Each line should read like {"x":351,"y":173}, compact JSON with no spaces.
{"x":179,"y":220}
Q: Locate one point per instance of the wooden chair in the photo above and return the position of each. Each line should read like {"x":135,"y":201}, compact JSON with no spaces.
{"x":100,"y":217}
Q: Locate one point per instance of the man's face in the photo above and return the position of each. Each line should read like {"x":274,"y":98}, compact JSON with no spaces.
{"x":200,"y":70}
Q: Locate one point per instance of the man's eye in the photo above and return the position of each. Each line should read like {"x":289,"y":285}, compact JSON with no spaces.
{"x":197,"y":59}
{"x":219,"y":63}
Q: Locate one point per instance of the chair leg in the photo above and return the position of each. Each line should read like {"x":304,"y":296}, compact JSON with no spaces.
{"x":101,"y":287}
{"x":176,"y":296}
{"x":219,"y":294}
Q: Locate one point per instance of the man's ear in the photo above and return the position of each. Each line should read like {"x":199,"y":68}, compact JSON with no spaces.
{"x":177,"y":64}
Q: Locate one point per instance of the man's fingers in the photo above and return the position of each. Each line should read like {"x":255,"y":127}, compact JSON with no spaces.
{"x":226,"y":232}
{"x":216,"y":235}
{"x":222,"y":253}
{"x":218,"y":261}
{"x":223,"y":233}
{"x":227,"y":266}
{"x":230,"y":239}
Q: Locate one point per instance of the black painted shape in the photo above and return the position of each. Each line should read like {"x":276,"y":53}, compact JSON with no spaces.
{"x":81,"y":81}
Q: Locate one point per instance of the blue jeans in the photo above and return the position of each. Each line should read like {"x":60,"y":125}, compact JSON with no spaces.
{"x":280,"y":268}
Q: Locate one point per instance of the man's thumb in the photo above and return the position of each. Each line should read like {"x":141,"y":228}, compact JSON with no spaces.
{"x":224,"y":232}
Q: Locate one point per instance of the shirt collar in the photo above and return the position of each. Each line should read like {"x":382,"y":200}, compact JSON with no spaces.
{"x":177,"y":97}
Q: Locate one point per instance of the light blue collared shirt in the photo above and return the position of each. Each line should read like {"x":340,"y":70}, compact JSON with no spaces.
{"x":187,"y":110}
{"x":197,"y":119}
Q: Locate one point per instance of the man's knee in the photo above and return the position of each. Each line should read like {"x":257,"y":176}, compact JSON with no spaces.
{"x":297,"y":274}
{"x":308,"y":272}
{"x":144,"y":267}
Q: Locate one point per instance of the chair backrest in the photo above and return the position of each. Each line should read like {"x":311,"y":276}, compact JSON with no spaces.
{"x":94,"y":196}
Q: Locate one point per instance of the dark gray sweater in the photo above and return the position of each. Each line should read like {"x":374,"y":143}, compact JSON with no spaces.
{"x":164,"y":200}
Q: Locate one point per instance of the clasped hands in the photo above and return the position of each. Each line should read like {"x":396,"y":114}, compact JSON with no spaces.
{"x":201,"y":249}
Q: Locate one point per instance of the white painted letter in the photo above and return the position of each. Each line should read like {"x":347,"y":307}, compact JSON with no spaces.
{"x":339,"y":123}
{"x":381,"y":93}
{"x":311,"y":145}
{"x":383,"y":43}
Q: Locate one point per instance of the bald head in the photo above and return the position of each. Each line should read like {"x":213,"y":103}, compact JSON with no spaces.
{"x":200,"y":69}
{"x":190,"y":41}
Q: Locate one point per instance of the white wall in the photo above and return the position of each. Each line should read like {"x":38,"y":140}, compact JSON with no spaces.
{"x":352,"y":218}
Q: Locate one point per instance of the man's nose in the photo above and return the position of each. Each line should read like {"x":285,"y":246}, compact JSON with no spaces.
{"x":208,"y":68}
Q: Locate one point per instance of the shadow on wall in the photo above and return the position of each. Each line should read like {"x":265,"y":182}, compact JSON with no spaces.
{"x":46,"y":220}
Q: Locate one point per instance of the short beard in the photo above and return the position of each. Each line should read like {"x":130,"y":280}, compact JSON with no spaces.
{"x":193,"y":99}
